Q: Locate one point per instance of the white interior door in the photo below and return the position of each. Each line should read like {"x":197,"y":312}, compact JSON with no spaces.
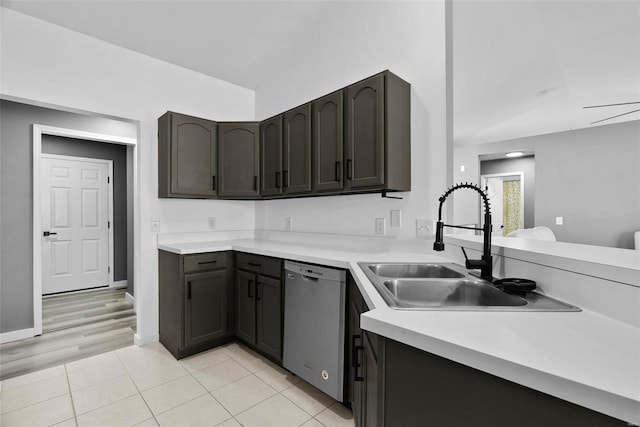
{"x":75,"y":211}
{"x":494,"y":191}
{"x":494,"y":184}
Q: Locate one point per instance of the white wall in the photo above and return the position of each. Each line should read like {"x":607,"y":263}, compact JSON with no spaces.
{"x":408,"y":38}
{"x":50,"y":64}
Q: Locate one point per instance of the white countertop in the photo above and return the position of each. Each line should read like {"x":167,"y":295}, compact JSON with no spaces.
{"x":582,"y":357}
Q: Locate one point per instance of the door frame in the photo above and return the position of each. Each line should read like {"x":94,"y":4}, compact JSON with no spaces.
{"x":483,"y":183}
{"x":109,"y":164}
{"x":38,"y":132}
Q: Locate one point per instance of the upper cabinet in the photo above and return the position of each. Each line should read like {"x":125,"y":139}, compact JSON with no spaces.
{"x":187,"y":156}
{"x":271,"y":156}
{"x":354,"y":140}
{"x":378,"y":140}
{"x":239,"y":160}
{"x":296,"y":173}
{"x":328,"y":142}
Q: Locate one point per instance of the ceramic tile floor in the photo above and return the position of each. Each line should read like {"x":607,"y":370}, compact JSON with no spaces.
{"x":146,"y":386}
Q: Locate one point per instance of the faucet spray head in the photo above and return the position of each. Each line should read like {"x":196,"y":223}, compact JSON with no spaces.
{"x":438,"y":245}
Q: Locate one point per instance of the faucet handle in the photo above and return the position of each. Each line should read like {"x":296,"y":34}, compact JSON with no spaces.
{"x":472,"y":263}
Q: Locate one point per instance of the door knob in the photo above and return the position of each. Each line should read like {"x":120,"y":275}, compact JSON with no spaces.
{"x":48,"y":233}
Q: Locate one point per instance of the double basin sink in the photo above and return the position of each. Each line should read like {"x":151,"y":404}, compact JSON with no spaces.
{"x":449,"y":286}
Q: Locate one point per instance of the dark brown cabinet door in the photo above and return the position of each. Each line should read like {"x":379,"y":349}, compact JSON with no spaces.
{"x":365,"y":133}
{"x":269,"y":316}
{"x":187,"y":156}
{"x":328,"y":146}
{"x":246,"y":306}
{"x":297,"y":150}
{"x":205,"y":306}
{"x":239,"y":165}
{"x":271,"y":156}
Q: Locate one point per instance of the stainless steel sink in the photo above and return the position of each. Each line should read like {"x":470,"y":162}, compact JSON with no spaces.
{"x":417,"y":271}
{"x":450,"y":293}
{"x":448,"y":286}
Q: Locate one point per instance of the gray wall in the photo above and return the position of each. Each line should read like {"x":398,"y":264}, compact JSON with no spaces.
{"x":118,"y":153}
{"x":16,"y":251}
{"x":522,"y":164}
{"x":591,"y":177}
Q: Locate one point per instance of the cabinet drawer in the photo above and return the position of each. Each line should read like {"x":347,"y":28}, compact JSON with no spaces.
{"x":260,"y":264}
{"x":202,"y":262}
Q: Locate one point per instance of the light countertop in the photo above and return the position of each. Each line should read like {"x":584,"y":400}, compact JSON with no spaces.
{"x":582,"y":357}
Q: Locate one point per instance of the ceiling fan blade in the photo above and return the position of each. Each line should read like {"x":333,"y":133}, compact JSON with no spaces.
{"x":612,"y":105}
{"x":609,"y":118}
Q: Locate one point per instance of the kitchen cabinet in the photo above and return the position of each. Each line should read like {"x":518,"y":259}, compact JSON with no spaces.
{"x":187,"y":156}
{"x":259,"y":305}
{"x":391,"y":383}
{"x":296,"y":173}
{"x":328,"y":142}
{"x":239,"y":160}
{"x":195,"y":301}
{"x":378,"y":114}
{"x":363,"y":378}
{"x":271,"y":156}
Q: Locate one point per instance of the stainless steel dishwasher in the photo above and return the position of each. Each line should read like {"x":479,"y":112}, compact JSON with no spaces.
{"x":314,"y":307}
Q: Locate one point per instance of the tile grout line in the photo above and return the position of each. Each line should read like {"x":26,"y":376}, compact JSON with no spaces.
{"x":73,"y":406}
{"x":137,"y":389}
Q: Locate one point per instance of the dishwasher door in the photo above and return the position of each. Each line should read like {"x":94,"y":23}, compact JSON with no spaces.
{"x":314,"y":311}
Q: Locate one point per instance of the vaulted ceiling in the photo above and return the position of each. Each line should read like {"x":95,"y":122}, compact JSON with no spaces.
{"x":520,"y":67}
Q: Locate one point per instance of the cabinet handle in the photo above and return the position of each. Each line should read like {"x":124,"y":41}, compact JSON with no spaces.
{"x":258,"y":291}
{"x":277,"y":179}
{"x":213,"y":182}
{"x":207,"y":262}
{"x":255,"y":183}
{"x":349,"y":169}
{"x":189,"y":290}
{"x":354,"y":356}
{"x":249,"y":288}
{"x":357,"y":349}
{"x":285,"y":179}
{"x":338,"y":171}
{"x":253,"y":264}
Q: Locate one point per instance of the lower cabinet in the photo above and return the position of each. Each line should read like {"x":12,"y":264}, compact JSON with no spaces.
{"x":363,"y":381}
{"x":393,"y":384}
{"x":259,"y":303}
{"x":195,"y":301}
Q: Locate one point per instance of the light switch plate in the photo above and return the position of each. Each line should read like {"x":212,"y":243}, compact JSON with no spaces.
{"x":396,"y":218}
{"x":155,"y":224}
{"x":212,"y":223}
{"x":381,"y":226}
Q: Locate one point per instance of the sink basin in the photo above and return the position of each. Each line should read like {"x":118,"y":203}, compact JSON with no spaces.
{"x":417,"y":271}
{"x":451,"y":293}
{"x":449,"y":286}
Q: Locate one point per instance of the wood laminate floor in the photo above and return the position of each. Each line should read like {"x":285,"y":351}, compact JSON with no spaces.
{"x":74,"y":326}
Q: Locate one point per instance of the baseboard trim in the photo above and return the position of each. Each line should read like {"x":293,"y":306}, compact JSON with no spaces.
{"x":119,"y":284}
{"x":20,"y":334}
{"x":140,"y":340}
{"x":130,"y":299}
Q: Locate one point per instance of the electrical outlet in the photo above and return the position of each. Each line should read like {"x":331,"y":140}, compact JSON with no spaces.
{"x":381,"y":226}
{"x":425,"y":227}
{"x":212,"y":223}
{"x":559,"y":220}
{"x":288,"y":223}
{"x":155,"y":224}
{"x":396,"y":218}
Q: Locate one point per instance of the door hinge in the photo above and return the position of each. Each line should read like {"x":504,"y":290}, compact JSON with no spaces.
{"x":108,"y":224}
{"x":109,"y":269}
{"x":108,"y":180}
